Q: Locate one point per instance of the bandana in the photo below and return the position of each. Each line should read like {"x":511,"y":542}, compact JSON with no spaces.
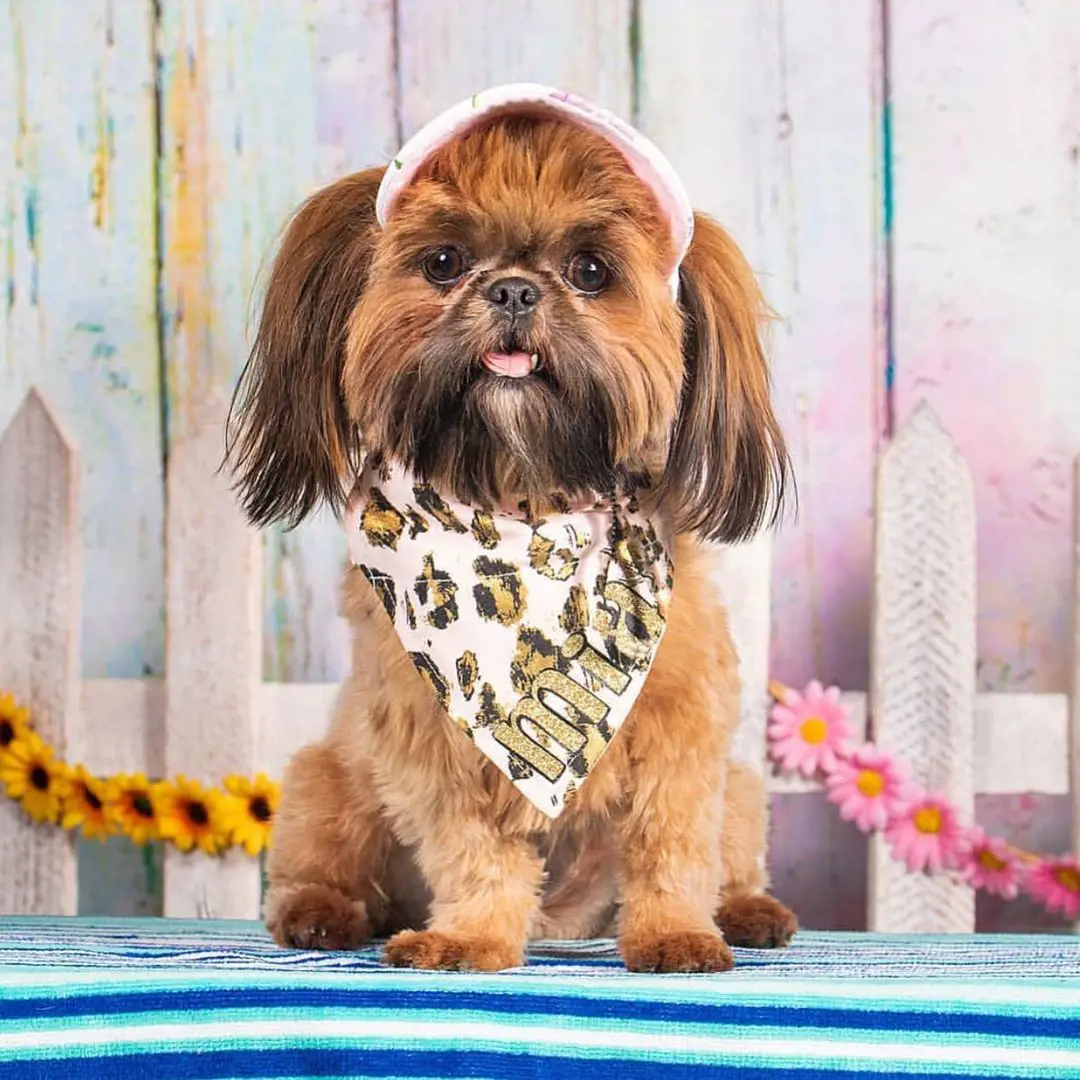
{"x":644,"y":158}
{"x":535,"y":634}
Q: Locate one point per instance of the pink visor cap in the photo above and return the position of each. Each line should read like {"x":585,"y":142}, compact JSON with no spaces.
{"x":643,"y":156}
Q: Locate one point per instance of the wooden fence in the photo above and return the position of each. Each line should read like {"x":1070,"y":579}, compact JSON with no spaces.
{"x":213,"y":714}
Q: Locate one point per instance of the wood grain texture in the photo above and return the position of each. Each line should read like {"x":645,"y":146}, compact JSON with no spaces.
{"x":332,"y":114}
{"x":779,"y":145}
{"x":40,"y":564}
{"x":922,"y":693}
{"x":1074,"y":681}
{"x":744,"y":577}
{"x":449,"y":51}
{"x":209,"y":258}
{"x":986,"y":120}
{"x":77,"y":290}
{"x":129,"y":716}
{"x":262,"y":104}
{"x":213,"y":663}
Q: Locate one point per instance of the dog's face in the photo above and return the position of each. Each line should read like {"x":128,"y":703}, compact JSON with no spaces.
{"x":517,"y":336}
{"x":510,"y":334}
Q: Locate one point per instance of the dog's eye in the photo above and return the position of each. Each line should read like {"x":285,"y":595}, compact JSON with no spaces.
{"x":443,"y":265}
{"x":587,"y":273}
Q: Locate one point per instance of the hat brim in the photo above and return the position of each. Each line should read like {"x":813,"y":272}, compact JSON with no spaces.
{"x":644,"y":158}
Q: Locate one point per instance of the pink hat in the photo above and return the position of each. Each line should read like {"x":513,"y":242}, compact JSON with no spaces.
{"x":644,"y":158}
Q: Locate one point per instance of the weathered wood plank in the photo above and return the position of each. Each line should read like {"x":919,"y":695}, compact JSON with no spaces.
{"x":129,"y":717}
{"x":986,"y":118}
{"x":779,"y":145}
{"x":213,"y":645}
{"x":213,"y":663}
{"x":243,"y":143}
{"x":744,"y":577}
{"x":332,"y":114}
{"x":1074,"y":682}
{"x":77,"y":291}
{"x":40,"y":564}
{"x":922,"y":696}
{"x":449,"y":51}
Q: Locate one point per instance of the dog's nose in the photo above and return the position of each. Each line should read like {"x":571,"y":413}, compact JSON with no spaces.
{"x":513,"y":296}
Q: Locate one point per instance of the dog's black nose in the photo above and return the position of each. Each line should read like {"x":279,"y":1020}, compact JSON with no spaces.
{"x":513,"y":296}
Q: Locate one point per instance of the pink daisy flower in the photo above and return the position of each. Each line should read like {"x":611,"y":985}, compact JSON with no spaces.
{"x":991,"y":865}
{"x":926,"y":834}
{"x":808,"y":730}
{"x":868,"y":786}
{"x":1056,"y":884}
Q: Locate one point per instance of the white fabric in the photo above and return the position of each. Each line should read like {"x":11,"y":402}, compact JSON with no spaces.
{"x":536,"y":635}
{"x":642,"y":155}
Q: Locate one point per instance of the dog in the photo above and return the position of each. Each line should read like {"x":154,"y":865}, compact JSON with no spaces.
{"x":530,"y":380}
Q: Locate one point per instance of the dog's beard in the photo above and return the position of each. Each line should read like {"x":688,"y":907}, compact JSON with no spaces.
{"x":487,"y":439}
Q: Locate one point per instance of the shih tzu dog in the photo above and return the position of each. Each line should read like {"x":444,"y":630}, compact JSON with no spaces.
{"x":529,"y":378}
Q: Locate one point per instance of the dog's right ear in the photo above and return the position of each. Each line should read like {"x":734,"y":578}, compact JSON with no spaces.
{"x":289,"y":442}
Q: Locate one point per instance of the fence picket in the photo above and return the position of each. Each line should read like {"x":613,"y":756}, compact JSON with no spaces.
{"x":922,"y":679}
{"x":40,"y":656}
{"x":213,"y":663}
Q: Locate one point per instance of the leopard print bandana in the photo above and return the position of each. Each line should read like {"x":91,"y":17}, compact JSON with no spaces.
{"x":535,"y":634}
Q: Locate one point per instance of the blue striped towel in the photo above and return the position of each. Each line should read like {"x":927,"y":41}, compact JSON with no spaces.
{"x":83,"y":998}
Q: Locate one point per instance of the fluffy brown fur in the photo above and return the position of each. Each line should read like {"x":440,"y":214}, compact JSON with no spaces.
{"x":395,"y":824}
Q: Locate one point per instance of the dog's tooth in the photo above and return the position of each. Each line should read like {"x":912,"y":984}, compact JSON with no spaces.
{"x":534,"y":361}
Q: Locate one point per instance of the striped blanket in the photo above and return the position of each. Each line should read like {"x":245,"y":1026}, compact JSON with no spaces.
{"x":98,"y":998}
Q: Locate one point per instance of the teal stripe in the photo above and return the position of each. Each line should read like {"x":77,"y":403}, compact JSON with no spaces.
{"x":977,"y":996}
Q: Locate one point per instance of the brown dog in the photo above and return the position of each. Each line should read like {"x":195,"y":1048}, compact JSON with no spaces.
{"x":506,"y":334}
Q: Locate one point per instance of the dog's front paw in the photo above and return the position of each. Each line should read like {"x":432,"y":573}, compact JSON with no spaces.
{"x":317,"y":917}
{"x":434,"y":949}
{"x":756,"y":922}
{"x":682,"y":950}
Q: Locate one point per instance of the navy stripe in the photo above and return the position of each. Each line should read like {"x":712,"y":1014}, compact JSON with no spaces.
{"x":251,"y":1064}
{"x":935,"y":1019}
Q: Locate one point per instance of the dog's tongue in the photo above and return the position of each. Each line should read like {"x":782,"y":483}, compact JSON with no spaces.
{"x":516,"y":364}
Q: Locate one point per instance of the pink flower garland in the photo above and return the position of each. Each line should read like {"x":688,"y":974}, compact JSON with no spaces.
{"x":809,"y":733}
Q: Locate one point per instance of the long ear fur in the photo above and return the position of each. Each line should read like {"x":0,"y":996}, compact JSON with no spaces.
{"x":289,"y":442}
{"x":727,"y":465}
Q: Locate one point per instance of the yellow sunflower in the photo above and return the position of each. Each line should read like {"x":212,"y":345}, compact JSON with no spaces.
{"x":129,"y":805}
{"x":84,"y":805}
{"x":247,"y":812}
{"x":14,"y":721}
{"x":31,"y":775}
{"x":189,"y":816}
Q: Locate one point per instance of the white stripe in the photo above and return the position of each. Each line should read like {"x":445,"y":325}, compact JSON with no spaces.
{"x":702,"y":1046}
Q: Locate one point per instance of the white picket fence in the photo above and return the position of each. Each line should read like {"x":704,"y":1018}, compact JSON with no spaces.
{"x":213,"y":715}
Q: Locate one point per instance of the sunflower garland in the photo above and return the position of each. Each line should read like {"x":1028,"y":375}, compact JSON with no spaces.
{"x":180,"y":812}
{"x":808,"y":733}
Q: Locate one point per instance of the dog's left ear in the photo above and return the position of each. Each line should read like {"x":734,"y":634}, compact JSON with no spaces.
{"x":727,"y":465}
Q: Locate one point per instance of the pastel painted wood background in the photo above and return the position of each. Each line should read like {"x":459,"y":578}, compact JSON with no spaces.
{"x":905,"y":178}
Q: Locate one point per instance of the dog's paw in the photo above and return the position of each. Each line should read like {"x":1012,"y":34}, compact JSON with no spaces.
{"x":756,"y":922}
{"x":683,"y":950}
{"x":317,"y":917}
{"x":433,"y":949}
